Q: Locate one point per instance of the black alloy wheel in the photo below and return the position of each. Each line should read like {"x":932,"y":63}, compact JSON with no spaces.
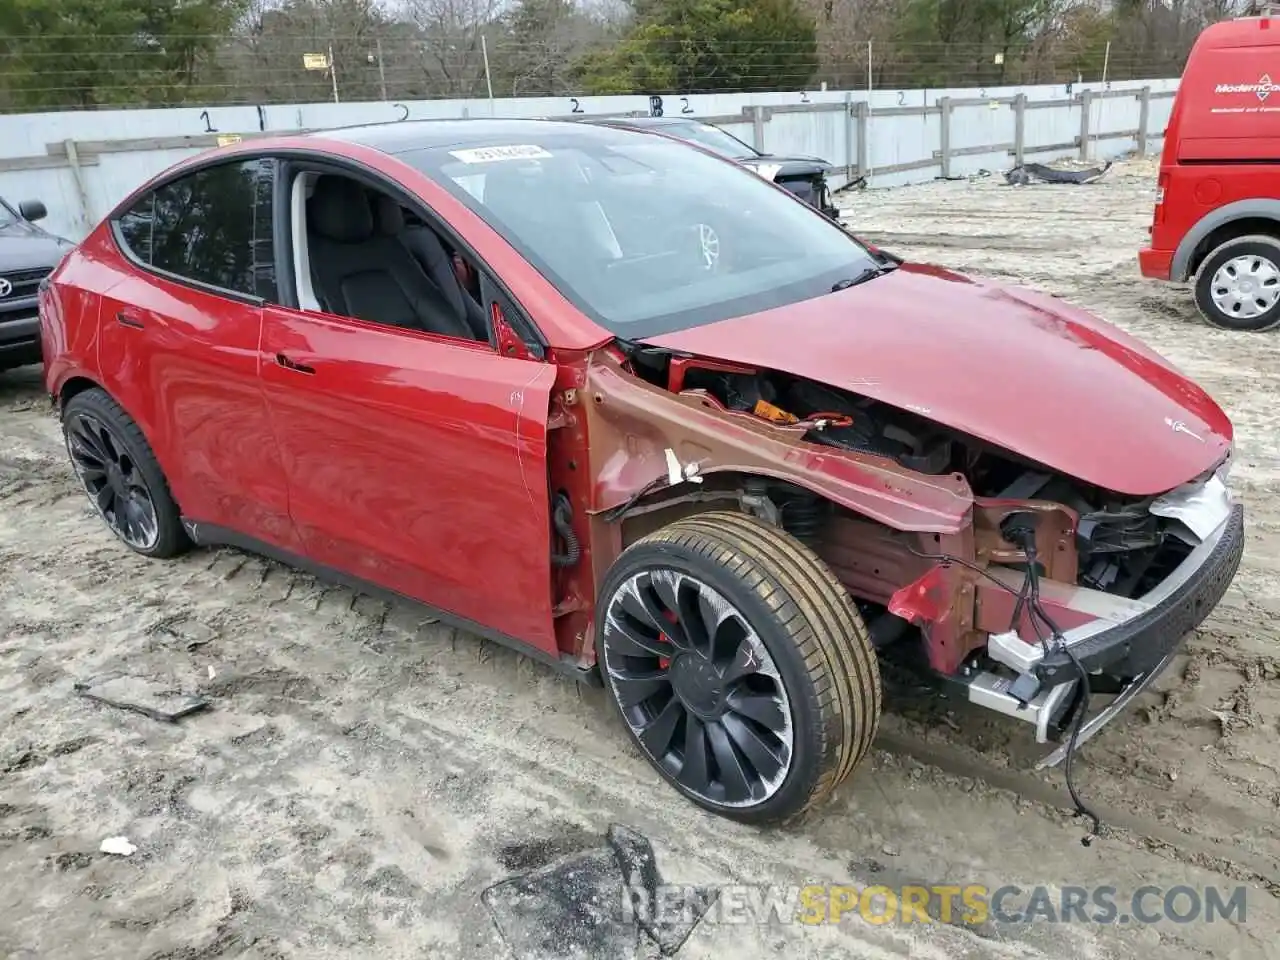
{"x":120,"y":474}
{"x":698,"y":688}
{"x":739,"y":665}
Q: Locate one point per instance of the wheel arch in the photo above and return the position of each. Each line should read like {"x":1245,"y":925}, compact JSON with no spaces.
{"x":1260,"y":215}
{"x":724,"y":490}
{"x":75,"y":384}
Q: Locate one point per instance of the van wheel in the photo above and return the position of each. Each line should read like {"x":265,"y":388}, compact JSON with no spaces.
{"x":739,"y":664}
{"x":1238,"y":285}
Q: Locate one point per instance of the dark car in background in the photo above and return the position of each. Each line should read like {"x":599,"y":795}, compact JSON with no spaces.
{"x":28,"y":254}
{"x":806,"y":177}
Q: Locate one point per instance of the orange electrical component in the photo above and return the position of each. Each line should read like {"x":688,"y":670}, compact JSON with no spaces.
{"x":767,"y":411}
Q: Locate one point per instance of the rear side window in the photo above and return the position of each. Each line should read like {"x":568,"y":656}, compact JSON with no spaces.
{"x":213,"y":227}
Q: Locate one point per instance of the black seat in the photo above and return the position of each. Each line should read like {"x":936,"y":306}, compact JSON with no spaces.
{"x":362,"y":273}
{"x":425,"y":245}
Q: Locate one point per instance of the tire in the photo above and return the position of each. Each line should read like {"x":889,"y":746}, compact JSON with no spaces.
{"x":1260,"y":254}
{"x":804,"y":669}
{"x":98,"y":431}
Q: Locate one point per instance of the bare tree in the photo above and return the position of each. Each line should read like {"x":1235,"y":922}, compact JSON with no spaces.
{"x":449,"y":38}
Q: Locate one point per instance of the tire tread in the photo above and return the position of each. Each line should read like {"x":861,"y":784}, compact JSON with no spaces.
{"x":815,"y":613}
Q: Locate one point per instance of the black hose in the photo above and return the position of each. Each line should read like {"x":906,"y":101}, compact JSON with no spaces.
{"x":561,"y":516}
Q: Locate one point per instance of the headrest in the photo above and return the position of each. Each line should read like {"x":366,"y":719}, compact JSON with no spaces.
{"x":339,"y":210}
{"x":388,"y":216}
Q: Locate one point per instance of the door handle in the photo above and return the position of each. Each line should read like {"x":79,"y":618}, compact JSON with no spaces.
{"x":293,"y":365}
{"x":128,"y":320}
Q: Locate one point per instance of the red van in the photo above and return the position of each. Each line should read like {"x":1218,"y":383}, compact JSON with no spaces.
{"x":1217,"y":214}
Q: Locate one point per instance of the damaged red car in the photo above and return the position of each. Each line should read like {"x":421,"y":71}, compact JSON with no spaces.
{"x":625,"y":405}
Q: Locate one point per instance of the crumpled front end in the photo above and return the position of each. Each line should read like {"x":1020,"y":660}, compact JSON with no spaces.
{"x":1124,"y":636}
{"x":1001,"y":576}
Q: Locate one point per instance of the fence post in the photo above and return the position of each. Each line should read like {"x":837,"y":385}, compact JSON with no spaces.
{"x":944,"y":135}
{"x":864,"y":140}
{"x":382,"y":71}
{"x":849,"y":131}
{"x":757,"y":127}
{"x":77,"y":174}
{"x":1144,"y":118}
{"x":1086,"y":108}
{"x":1019,"y":128}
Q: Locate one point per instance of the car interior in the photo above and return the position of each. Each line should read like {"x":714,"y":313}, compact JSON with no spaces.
{"x":358,"y":252}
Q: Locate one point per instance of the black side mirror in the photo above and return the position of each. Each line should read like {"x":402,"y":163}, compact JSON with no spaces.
{"x":32,"y":210}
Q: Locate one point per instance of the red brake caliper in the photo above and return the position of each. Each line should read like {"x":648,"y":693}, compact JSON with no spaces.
{"x":664,"y":662}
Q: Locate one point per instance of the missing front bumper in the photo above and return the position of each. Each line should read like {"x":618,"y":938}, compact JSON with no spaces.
{"x":1132,"y":640}
{"x":1134,"y":635}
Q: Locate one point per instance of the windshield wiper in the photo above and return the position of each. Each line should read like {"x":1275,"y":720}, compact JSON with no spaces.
{"x":867,"y":273}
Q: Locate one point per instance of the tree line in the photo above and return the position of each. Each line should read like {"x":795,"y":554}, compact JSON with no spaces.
{"x":60,"y":54}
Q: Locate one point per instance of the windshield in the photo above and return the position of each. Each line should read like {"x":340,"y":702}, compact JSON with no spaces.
{"x":713,"y":138}
{"x":645,"y":235}
{"x":7,"y":215}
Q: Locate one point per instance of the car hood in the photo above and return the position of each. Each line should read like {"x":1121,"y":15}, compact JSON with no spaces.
{"x":24,"y":247}
{"x":788,"y":166}
{"x":1019,"y":369}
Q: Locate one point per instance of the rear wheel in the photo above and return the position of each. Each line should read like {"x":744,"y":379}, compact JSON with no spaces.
{"x":739,"y":665}
{"x":121,"y":476}
{"x":1238,"y":285}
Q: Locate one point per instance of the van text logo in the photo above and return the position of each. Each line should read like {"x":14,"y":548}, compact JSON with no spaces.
{"x":1262,"y":89}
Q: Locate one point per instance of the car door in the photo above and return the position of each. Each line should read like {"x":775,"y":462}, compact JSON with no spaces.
{"x":178,"y":343}
{"x":417,"y":462}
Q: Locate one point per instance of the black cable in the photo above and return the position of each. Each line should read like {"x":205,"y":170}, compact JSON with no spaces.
{"x":1029,"y":598}
{"x":1036,"y":609}
{"x":948,"y":558}
{"x":615,"y":513}
{"x":561,"y":520}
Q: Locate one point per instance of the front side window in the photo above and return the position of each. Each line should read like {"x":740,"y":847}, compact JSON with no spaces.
{"x":213,"y":226}
{"x":645,"y":235}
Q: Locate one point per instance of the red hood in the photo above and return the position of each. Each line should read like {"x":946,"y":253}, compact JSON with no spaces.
{"x":1019,"y":369}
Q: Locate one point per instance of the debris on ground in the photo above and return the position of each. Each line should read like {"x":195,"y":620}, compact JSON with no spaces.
{"x":119,"y":846}
{"x":596,"y":903}
{"x":1027,"y":173}
{"x":142,"y":696}
{"x":189,"y":633}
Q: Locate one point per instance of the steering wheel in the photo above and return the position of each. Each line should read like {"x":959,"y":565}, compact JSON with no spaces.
{"x":707,"y":241}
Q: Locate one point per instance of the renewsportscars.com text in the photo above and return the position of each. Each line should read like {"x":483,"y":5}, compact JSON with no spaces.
{"x":970,"y":904}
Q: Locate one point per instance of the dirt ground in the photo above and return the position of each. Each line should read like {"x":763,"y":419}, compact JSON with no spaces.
{"x":364,"y":775}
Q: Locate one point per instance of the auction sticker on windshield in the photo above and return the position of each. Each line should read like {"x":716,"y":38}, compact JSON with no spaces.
{"x":490,"y":154}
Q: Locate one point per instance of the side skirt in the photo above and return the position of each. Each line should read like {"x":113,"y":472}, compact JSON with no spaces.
{"x":210,"y":535}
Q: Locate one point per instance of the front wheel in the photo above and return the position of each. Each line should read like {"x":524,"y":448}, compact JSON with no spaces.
{"x":739,"y":665}
{"x":1238,"y":285}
